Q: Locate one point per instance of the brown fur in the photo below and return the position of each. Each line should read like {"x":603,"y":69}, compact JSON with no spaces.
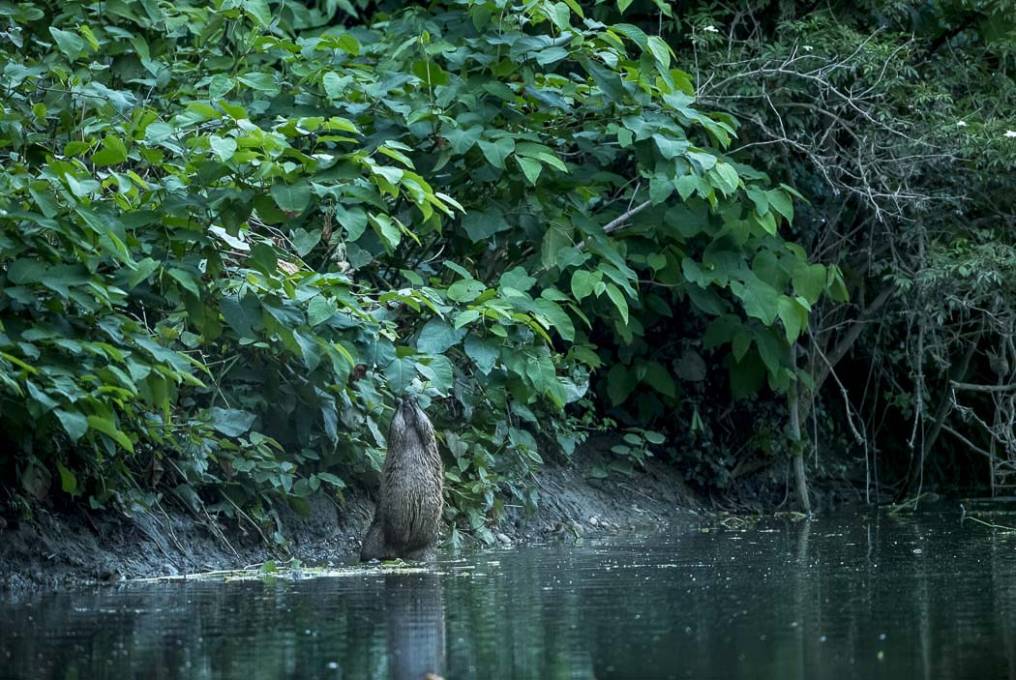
{"x":412,"y":485}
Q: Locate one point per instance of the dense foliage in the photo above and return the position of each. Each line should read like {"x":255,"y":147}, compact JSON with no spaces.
{"x":233,"y":232}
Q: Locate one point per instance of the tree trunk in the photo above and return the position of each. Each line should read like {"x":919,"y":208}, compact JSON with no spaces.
{"x":794,"y":406}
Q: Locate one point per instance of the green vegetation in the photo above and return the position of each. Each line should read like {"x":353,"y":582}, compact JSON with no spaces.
{"x":233,"y":232}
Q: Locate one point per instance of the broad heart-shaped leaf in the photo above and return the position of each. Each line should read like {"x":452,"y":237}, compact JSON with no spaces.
{"x":320,"y":309}
{"x":530,"y":168}
{"x":556,"y":317}
{"x":481,"y":225}
{"x":71,"y":44}
{"x":660,"y":189}
{"x":760,"y":300}
{"x":260,"y":81}
{"x":400,"y":373}
{"x":439,"y":372}
{"x":389,"y":232}
{"x":658,"y":377}
{"x":220,"y":85}
{"x":258,"y":10}
{"x":353,"y":220}
{"x":583,"y":283}
{"x":292,"y":198}
{"x":794,"y":317}
{"x":483,"y":352}
{"x":517,"y":278}
{"x":113,"y":152}
{"x":222,"y":147}
{"x":437,"y":336}
{"x":462,"y":140}
{"x":497,"y":151}
{"x":607,"y":80}
{"x":466,"y":290}
{"x":304,"y":241}
{"x":781,"y":203}
{"x":231,"y":422}
{"x":621,"y":382}
{"x":310,"y":350}
{"x":74,"y":424}
{"x":660,"y":50}
{"x":809,"y":281}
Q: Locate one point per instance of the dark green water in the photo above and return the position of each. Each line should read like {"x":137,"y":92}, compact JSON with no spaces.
{"x":854,"y":597}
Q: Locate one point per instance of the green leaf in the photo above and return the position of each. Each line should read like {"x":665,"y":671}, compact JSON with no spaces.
{"x":617,"y":297}
{"x":113,"y":152}
{"x":400,"y":373}
{"x":258,"y":10}
{"x":760,"y":300}
{"x":386,"y":229}
{"x":660,"y":51}
{"x":660,"y":189}
{"x":530,"y":168}
{"x":231,"y":422}
{"x":222,"y":147}
{"x":439,"y":372}
{"x":781,"y":203}
{"x":583,"y":283}
{"x":262,"y":82}
{"x":319,"y":310}
{"x":219,"y":86}
{"x":292,"y":198}
{"x":621,"y":382}
{"x":794,"y":317}
{"x":809,"y":281}
{"x":497,"y":151}
{"x":71,"y":44}
{"x":437,"y":336}
{"x":517,"y":278}
{"x":481,"y":225}
{"x":353,"y":220}
{"x":108,"y":428}
{"x":466,"y":290}
{"x":304,"y":241}
{"x":556,"y":317}
{"x":68,"y":482}
{"x":74,"y":423}
{"x":728,"y":179}
{"x":608,"y":81}
{"x":483,"y":353}
{"x":659,"y":378}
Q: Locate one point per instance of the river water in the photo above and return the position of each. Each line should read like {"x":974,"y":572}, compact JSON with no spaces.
{"x":856,"y":596}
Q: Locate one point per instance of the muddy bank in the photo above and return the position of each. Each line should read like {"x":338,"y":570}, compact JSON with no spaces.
{"x":57,"y":550}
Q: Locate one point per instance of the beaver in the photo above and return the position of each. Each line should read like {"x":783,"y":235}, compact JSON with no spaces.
{"x":412,"y":485}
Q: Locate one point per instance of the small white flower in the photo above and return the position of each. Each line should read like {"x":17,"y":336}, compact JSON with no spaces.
{"x":961,"y":123}
{"x":711,"y":29}
{"x":1010,"y":134}
{"x":807,"y":48}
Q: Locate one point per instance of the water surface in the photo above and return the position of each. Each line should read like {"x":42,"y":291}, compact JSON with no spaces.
{"x":839,"y":597}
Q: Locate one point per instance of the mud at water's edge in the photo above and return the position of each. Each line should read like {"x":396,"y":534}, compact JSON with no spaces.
{"x":60,"y":550}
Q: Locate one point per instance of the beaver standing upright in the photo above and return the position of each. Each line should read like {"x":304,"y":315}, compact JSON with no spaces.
{"x":412,"y":483}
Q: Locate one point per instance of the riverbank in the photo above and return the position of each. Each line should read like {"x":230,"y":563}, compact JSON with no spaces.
{"x":54,"y":550}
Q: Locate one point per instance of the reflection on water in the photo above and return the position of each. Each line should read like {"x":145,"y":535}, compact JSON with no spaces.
{"x":849,"y":597}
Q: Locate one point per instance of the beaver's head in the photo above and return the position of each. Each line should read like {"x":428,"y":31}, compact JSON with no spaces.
{"x":410,"y":421}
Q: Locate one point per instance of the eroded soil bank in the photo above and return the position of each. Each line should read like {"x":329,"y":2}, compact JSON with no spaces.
{"x":55,"y":550}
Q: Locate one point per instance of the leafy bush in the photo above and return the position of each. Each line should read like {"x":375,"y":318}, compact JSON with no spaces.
{"x":233,"y":232}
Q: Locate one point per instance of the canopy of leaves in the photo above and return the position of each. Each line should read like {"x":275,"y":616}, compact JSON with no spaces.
{"x":233,"y":232}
